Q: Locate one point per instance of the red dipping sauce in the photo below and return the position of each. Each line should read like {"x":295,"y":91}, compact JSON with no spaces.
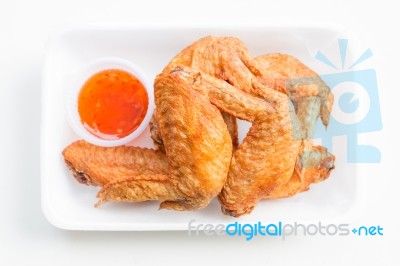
{"x":112,"y":104}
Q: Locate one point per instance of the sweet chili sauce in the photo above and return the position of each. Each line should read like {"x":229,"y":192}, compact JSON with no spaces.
{"x":112,"y":104}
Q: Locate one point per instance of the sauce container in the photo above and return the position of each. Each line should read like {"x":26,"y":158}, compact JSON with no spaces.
{"x":110,"y":102}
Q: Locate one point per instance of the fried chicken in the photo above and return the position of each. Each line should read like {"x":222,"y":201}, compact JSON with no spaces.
{"x":266,"y":158}
{"x":263,"y":165}
{"x":311,"y":98}
{"x":228,"y":59}
{"x":97,"y":166}
{"x":313,"y":165}
{"x":309,"y":94}
{"x":199,"y":95}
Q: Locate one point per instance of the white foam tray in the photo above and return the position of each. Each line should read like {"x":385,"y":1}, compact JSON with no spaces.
{"x":69,"y":205}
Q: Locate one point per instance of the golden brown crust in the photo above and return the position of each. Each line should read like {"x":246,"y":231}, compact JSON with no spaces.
{"x":310,"y":99}
{"x":307,"y":91}
{"x":139,"y":188}
{"x":214,"y":56}
{"x":313,"y":165}
{"x":93,"y":165}
{"x":229,"y":120}
{"x":267,"y":156}
{"x":155,"y":133}
{"x":232,"y":126}
{"x":225,"y":58}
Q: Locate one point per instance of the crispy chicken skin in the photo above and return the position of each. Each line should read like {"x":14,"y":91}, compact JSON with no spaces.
{"x":228,"y":59}
{"x":309,"y":94}
{"x":225,"y":58}
{"x":97,"y":166}
{"x":263,"y":165}
{"x":311,"y":98}
{"x":266,"y":158}
{"x":313,"y":165}
{"x":229,"y":120}
{"x":197,"y":145}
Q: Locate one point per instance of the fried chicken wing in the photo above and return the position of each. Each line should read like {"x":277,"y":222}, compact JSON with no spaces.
{"x":263,"y":165}
{"x":198,"y":149}
{"x":311,"y":98}
{"x":97,"y":166}
{"x":266,"y":158}
{"x":309,"y":94}
{"x":229,"y":120}
{"x":224,"y":58}
{"x":228,"y":59}
{"x":313,"y":165}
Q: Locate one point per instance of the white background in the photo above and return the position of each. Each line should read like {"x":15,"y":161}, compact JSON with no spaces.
{"x":26,"y":238}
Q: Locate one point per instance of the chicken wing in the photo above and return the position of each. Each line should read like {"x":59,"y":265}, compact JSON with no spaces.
{"x":198,"y":149}
{"x":224,"y":58}
{"x":228,"y":59}
{"x":313,"y":165}
{"x":309,"y":94}
{"x":263,"y":165}
{"x":229,"y":120}
{"x":97,"y":166}
{"x":266,"y":158}
{"x":311,"y":98}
